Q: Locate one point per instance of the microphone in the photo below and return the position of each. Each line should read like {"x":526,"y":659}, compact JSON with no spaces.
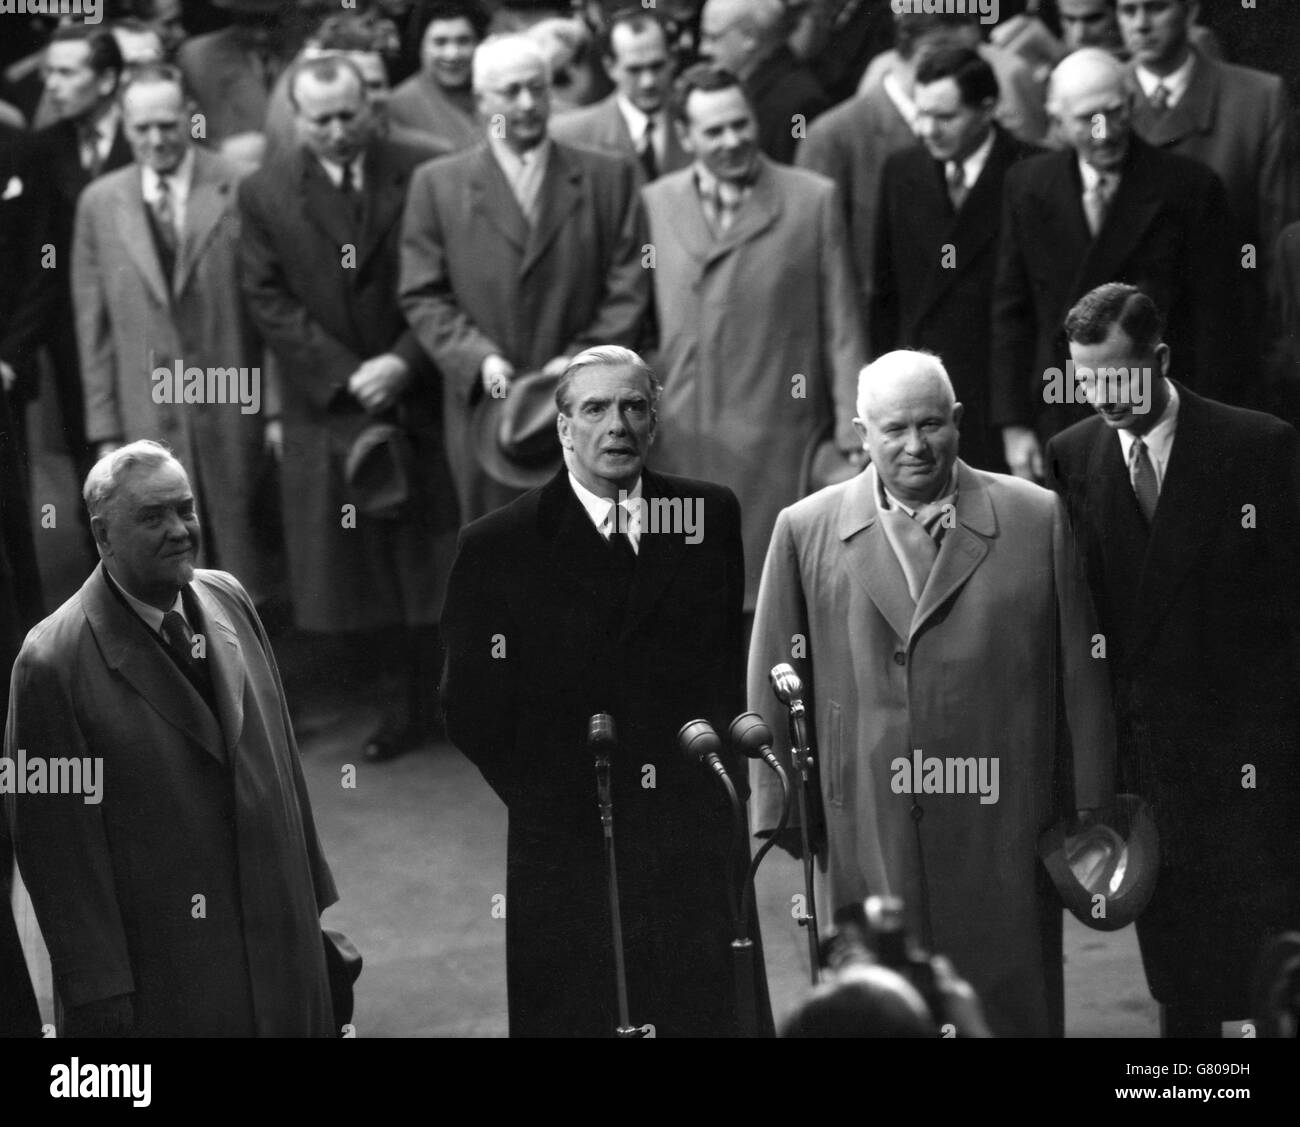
{"x":601,"y":735}
{"x":750,"y":734}
{"x":701,"y":744}
{"x":787,"y":687}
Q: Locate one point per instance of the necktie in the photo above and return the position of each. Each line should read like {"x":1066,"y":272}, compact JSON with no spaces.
{"x":1143,"y":475}
{"x":956,"y":176}
{"x":181,"y":642}
{"x":164,"y":211}
{"x":1160,"y":98}
{"x":726,"y":202}
{"x":1096,"y":203}
{"x":88,"y":138}
{"x":348,"y":190}
{"x":649,"y":162}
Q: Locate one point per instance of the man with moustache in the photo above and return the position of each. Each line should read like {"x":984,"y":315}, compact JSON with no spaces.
{"x":928,"y":605}
{"x":572,"y":601}
{"x":517,"y":255}
{"x":184,"y":899}
{"x":634,"y":120}
{"x":155,"y":280}
{"x":1187,"y":513}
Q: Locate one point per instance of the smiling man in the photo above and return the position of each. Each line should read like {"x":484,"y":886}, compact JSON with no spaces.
{"x":930,"y":607}
{"x":566,"y":603}
{"x":187,"y":902}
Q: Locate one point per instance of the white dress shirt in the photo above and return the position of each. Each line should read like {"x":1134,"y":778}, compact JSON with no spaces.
{"x":178,"y":184}
{"x":153,"y":617}
{"x":974,"y":164}
{"x":524,"y":173}
{"x":601,"y":510}
{"x":1176,"y":84}
{"x":334,"y":171}
{"x":636,"y":123}
{"x":1159,"y":439}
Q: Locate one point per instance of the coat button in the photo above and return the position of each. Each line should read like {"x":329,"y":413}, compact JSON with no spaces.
{"x":900,"y":658}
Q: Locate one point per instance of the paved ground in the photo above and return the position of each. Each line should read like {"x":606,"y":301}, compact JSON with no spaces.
{"x":418,"y":852}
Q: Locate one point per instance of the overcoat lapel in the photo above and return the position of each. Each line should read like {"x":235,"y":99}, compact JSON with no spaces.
{"x":963,"y":548}
{"x":868,"y":556}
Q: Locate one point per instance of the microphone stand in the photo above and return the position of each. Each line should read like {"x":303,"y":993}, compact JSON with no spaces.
{"x":604,"y":794}
{"x":801,"y":755}
{"x":742,"y":947}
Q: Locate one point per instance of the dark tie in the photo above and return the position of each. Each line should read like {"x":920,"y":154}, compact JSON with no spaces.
{"x":621,"y":549}
{"x":1143,"y":475}
{"x":348,"y":190}
{"x":956,"y":177}
{"x":164,"y":211}
{"x":180,"y":640}
{"x":88,"y":143}
{"x":1160,"y":98}
{"x":1096,"y":203}
{"x":649,"y":162}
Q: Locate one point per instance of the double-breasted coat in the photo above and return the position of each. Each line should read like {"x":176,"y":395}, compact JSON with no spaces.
{"x":197,"y":881}
{"x":1000,"y":639}
{"x":321,"y":286}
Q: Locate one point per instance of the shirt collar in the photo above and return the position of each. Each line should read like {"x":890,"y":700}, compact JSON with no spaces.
{"x":598,"y":508}
{"x":334,"y":170}
{"x":974,"y":164}
{"x":887,"y":500}
{"x":513,"y":163}
{"x":1175,"y":83}
{"x":152,"y":616}
{"x":1091,"y":176}
{"x":636,"y":119}
{"x":1160,"y":438}
{"x":179,"y":178}
{"x":106,"y":125}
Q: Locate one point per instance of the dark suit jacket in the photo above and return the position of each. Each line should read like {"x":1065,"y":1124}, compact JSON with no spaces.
{"x":1201,"y":616}
{"x":934,"y":276}
{"x":536,"y":578}
{"x":476,"y":280}
{"x":193,"y":801}
{"x":23,"y":206}
{"x":45,"y":313}
{"x":1164,"y":233}
{"x":603,"y":126}
{"x":323,"y":310}
{"x":780,"y":88}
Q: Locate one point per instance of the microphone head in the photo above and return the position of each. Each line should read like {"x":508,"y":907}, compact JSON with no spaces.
{"x":601,"y":736}
{"x":749,"y":733}
{"x":785,"y":683}
{"x":696,"y":738}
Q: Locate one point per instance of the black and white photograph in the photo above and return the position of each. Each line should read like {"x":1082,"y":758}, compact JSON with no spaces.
{"x":650,"y":519}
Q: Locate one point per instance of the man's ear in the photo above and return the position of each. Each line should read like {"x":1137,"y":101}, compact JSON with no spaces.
{"x":957,"y":411}
{"x":1163,"y":357}
{"x":683,"y":137}
{"x":99,"y":530}
{"x":861,"y":428}
{"x":562,"y":428}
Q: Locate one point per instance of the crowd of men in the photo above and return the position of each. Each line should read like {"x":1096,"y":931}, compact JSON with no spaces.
{"x":412,"y":292}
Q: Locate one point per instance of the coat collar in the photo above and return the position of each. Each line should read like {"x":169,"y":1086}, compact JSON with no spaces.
{"x":211,"y":193}
{"x":872,"y":563}
{"x":566,"y":526}
{"x":761,"y":210}
{"x":1194,"y":113}
{"x":123,"y":639}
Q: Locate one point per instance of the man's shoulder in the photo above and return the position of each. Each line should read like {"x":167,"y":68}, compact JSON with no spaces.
{"x":578,"y":123}
{"x":1237,"y":82}
{"x":1178,"y":176}
{"x":1014,"y":495}
{"x":799,"y":183}
{"x":674,"y":485}
{"x":846,"y":123}
{"x":1035,"y":170}
{"x":107,"y":189}
{"x":599,"y":164}
{"x":453,"y":169}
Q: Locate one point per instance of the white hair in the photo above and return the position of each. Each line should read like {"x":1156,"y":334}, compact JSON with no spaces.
{"x":106,"y":475}
{"x":904,"y":363}
{"x":1076,"y":65}
{"x":498,"y":49}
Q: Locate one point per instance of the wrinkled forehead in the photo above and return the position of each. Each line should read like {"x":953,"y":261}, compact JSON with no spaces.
{"x":165,"y":484}
{"x":509,"y":67}
{"x":609,"y":382}
{"x":905,"y":395}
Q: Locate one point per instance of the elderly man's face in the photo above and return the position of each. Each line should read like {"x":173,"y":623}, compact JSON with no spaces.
{"x":154,"y":118}
{"x":1089,"y":23}
{"x":1155,"y":31}
{"x":724,"y":38}
{"x":447,"y":52}
{"x":333,"y":118}
{"x":608,"y":430}
{"x":1094,"y":119}
{"x":516,"y":95}
{"x":910,"y":431}
{"x":74,"y":89}
{"x":149,"y":534}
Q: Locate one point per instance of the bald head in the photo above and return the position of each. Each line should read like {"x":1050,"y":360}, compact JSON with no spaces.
{"x":1088,"y":100}
{"x":908,"y":420}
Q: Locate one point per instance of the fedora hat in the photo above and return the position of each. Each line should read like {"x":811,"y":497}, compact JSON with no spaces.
{"x":514,"y":435}
{"x":1114,"y":855}
{"x":380,"y":470}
